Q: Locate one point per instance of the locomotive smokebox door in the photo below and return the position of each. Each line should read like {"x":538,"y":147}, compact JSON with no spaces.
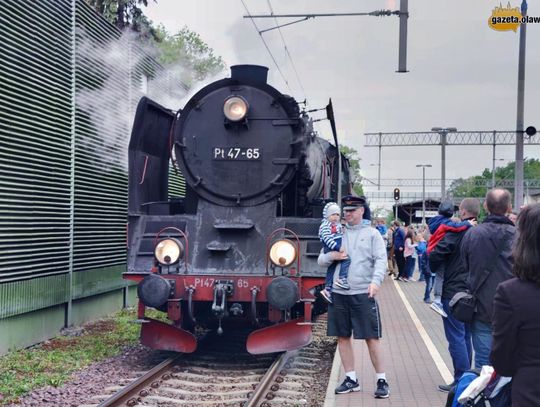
{"x":238,"y":140}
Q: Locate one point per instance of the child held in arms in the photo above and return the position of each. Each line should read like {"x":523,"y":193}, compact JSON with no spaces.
{"x":331,"y":235}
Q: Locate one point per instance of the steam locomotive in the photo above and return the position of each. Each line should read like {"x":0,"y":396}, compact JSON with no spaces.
{"x":241,"y":246}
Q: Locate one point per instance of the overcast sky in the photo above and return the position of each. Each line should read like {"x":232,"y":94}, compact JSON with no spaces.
{"x":462,"y":73}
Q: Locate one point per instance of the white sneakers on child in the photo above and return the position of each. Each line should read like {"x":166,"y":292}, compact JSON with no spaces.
{"x":342,"y":283}
{"x":326,"y":296}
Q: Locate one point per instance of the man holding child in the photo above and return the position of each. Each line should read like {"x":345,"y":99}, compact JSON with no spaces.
{"x":355,"y":311}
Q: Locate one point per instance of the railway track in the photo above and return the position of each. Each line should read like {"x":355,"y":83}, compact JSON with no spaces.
{"x":225,"y":375}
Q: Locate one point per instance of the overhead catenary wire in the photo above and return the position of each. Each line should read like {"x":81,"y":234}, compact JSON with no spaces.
{"x":287,"y":52}
{"x":267,"y":48}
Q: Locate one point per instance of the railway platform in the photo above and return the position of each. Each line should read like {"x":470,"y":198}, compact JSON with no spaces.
{"x":416,"y":357}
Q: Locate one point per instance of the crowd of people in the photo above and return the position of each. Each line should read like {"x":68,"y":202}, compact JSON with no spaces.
{"x":497,"y":260}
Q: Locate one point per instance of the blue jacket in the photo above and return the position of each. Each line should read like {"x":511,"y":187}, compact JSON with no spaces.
{"x":439,"y":220}
{"x":399,"y":238}
{"x":440,"y":225}
{"x":421,"y":247}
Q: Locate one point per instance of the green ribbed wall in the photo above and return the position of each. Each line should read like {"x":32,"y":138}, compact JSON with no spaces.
{"x":102,"y":127}
{"x":70,"y":83}
{"x":35,"y":139}
{"x":19,"y":297}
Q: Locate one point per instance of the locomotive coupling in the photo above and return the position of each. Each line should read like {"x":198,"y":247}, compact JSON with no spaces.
{"x":222,"y":289}
{"x":236,"y":309}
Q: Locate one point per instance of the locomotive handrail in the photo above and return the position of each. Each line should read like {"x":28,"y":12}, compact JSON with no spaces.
{"x":295,"y":236}
{"x":160,"y":202}
{"x":190,"y":291}
{"x":155,"y":242}
{"x":171,"y":142}
{"x":331,"y":118}
{"x":254,"y":291}
{"x":144,"y":170}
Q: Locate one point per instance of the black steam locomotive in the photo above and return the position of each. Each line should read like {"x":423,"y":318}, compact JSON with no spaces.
{"x":241,"y":245}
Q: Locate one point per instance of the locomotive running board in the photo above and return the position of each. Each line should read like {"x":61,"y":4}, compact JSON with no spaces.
{"x":159,"y":335}
{"x":279,"y":338}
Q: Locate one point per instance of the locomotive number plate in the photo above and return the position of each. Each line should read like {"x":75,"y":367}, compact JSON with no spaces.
{"x":236,"y":153}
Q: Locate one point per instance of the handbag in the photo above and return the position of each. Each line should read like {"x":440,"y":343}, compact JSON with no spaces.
{"x":463,"y":306}
{"x":463,"y":303}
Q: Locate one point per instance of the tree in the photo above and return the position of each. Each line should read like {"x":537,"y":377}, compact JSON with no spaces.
{"x":475,"y":186}
{"x":124,"y":14}
{"x":187,"y":49}
{"x":381,"y":212}
{"x":478,"y":185}
{"x":354,"y":163}
{"x":390,"y":218}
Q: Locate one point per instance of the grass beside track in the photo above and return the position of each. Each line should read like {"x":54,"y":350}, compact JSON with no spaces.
{"x":52,"y":362}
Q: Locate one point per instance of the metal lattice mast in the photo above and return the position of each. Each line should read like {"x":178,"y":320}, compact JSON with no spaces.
{"x":436,"y":182}
{"x":432,"y":138}
{"x":459,"y":138}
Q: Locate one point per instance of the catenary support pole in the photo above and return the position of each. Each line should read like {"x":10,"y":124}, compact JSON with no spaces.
{"x":518,"y":180}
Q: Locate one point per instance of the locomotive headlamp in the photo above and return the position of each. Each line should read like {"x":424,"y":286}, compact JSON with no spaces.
{"x":283,"y":253}
{"x":235,"y":108}
{"x":168,"y":251}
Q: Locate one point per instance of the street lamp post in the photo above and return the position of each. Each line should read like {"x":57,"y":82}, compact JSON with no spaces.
{"x":424,"y":166}
{"x":443,"y":131}
{"x":518,"y":177}
{"x":378,"y":175}
{"x":493,"y":170}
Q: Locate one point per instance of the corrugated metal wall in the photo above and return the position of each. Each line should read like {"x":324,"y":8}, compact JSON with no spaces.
{"x":35,"y":139}
{"x":102,"y":83}
{"x":70,"y":84}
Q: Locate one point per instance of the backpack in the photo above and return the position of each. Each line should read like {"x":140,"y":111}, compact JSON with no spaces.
{"x":498,"y":392}
{"x":465,"y":379}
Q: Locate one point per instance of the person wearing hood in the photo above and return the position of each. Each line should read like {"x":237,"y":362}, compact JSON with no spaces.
{"x":354,"y":313}
{"x":331,"y":236}
{"x":439,"y":226}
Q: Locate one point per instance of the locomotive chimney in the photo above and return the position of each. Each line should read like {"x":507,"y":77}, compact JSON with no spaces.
{"x":254,"y":74}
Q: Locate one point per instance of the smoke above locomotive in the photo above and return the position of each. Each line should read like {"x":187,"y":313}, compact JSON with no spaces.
{"x":240,"y":246}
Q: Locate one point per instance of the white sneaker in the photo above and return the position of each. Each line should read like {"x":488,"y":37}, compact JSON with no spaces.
{"x":326,"y":296}
{"x":438,"y":308}
{"x":342,"y":283}
{"x":347,"y":386}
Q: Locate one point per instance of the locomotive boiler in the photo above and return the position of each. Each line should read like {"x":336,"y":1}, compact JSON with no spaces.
{"x":241,"y":246}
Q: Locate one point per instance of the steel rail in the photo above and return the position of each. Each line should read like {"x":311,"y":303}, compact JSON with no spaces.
{"x":269,"y":377}
{"x":123,"y":396}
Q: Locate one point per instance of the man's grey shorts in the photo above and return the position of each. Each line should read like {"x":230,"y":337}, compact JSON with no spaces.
{"x":354,"y":314}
